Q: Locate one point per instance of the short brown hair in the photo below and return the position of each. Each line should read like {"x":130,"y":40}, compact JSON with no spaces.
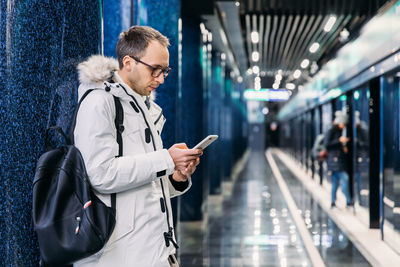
{"x":135,"y":40}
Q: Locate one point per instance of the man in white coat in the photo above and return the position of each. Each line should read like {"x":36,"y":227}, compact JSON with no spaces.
{"x":146,"y":176}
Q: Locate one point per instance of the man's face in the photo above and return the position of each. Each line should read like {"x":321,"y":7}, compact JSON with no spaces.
{"x":139,"y":75}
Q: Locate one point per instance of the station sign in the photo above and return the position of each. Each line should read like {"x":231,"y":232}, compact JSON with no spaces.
{"x":267,"y":94}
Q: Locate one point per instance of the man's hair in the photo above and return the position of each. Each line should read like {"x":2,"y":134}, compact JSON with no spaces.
{"x":135,"y":40}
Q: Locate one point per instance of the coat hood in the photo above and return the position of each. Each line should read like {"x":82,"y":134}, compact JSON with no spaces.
{"x":97,"y":68}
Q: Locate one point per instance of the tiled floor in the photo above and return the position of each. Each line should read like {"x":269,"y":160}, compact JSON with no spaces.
{"x":253,"y":226}
{"x":334,"y":246}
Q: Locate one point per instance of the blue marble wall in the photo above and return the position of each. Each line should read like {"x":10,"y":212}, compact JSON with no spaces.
{"x":163,"y":15}
{"x":215,"y":109}
{"x":226,"y":131}
{"x":41,"y":42}
{"x":239,"y":124}
{"x":206,"y":52}
{"x":4,"y":206}
{"x":117,"y":16}
{"x":190,"y":104}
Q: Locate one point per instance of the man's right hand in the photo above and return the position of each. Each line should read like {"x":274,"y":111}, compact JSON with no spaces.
{"x":182,"y":157}
{"x":344,"y":140}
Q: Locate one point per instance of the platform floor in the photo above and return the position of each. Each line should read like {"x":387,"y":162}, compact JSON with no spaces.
{"x":273,"y":214}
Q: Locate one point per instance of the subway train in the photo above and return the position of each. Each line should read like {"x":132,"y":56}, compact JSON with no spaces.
{"x":364,"y":82}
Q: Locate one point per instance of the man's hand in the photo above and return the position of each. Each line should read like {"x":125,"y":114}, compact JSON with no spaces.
{"x":344,"y":140}
{"x":183,"y":157}
{"x":183,"y":175}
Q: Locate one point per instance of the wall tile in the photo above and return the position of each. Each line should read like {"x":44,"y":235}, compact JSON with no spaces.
{"x":118,"y":16}
{"x":43,"y":42}
{"x":163,"y":16}
{"x":190,"y":116}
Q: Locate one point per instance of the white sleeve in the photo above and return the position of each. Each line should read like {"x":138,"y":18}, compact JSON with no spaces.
{"x":95,"y":137}
{"x":174,"y":192}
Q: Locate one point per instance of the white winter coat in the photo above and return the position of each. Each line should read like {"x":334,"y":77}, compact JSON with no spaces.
{"x":138,"y":237}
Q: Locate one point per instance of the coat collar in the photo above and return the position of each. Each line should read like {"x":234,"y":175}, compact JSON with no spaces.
{"x":99,"y":71}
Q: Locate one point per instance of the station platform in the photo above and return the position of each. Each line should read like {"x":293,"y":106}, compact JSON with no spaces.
{"x":274,"y":214}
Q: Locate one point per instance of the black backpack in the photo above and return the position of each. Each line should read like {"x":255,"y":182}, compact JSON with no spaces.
{"x":71,"y":222}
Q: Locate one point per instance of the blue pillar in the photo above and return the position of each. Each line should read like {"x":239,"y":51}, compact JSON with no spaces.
{"x":239,"y":124}
{"x":205,"y":55}
{"x":226,"y":131}
{"x":214,"y":118}
{"x":206,"y":70}
{"x":163,"y":15}
{"x":41,"y":42}
{"x":118,"y":16}
{"x":190,"y":112}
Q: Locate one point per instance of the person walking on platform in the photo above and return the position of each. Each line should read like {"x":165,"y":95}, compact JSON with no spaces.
{"x":146,"y":176}
{"x":336,"y":142}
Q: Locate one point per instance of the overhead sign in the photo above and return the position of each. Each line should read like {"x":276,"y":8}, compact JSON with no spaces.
{"x":267,"y":94}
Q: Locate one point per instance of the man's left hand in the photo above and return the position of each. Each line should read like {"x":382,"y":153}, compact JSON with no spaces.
{"x":183,"y":175}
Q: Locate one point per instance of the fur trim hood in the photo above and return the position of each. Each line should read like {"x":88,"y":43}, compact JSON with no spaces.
{"x":97,"y":68}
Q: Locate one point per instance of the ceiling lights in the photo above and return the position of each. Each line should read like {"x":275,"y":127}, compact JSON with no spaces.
{"x":314,"y":47}
{"x":344,"y":35}
{"x":304,"y":64}
{"x":257,"y":83}
{"x":297,"y":74}
{"x":330,"y":23}
{"x":256,"y":69}
{"x":290,"y":86}
{"x":255,"y":37}
{"x":255,"y":56}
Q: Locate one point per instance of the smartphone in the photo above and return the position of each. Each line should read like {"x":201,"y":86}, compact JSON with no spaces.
{"x":206,"y":142}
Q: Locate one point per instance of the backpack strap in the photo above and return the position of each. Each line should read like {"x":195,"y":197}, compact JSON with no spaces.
{"x":72,"y":129}
{"x":119,"y":120}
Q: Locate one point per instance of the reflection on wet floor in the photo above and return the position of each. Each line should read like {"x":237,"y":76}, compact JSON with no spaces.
{"x":334,"y":246}
{"x":253,"y":226}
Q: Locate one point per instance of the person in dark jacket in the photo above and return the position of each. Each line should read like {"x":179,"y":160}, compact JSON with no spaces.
{"x":336,"y":142}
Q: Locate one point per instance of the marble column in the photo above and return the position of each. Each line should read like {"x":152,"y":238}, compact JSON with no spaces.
{"x":239,"y":124}
{"x":190,"y":104}
{"x":41,"y":43}
{"x":118,"y":16}
{"x":163,"y":15}
{"x":214,"y":126}
{"x":226,"y":124}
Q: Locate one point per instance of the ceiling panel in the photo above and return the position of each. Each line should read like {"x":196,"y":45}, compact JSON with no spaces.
{"x":288,"y":28}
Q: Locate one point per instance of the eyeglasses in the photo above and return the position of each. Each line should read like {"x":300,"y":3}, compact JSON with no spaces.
{"x":155,"y":71}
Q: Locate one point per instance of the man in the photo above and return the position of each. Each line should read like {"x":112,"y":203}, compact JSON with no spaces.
{"x":336,"y":144}
{"x":146,"y":176}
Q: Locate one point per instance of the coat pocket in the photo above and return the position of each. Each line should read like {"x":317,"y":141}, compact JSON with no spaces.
{"x":125,"y":219}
